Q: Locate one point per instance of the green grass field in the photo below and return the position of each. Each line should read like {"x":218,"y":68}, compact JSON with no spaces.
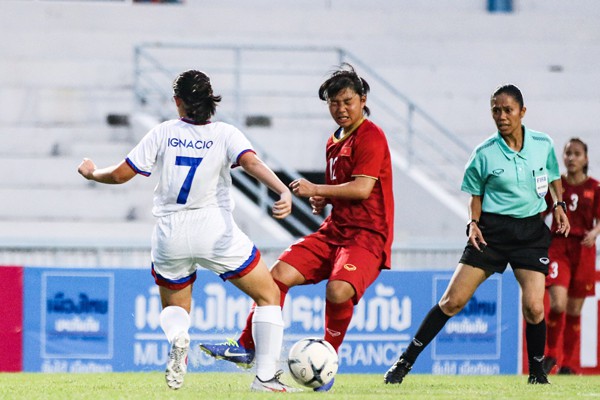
{"x":218,"y":386}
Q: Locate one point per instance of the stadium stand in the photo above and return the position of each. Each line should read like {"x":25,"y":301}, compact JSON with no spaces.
{"x":73,"y":65}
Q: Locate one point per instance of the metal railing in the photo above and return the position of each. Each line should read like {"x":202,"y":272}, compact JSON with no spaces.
{"x":114,"y":256}
{"x":281,"y":82}
{"x":434,"y":256}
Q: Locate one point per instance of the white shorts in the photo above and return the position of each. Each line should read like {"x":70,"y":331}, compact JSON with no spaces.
{"x":184,"y":241}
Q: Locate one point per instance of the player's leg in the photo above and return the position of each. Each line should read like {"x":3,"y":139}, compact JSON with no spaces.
{"x":304,"y":260}
{"x":557,"y":282}
{"x":582,"y":285}
{"x":175,"y":322}
{"x":465,"y":280}
{"x":354,"y":270}
{"x":175,"y":275}
{"x":572,"y":337}
{"x":267,"y":327}
{"x":285,"y":277}
{"x":532,"y":288}
{"x":555,"y":324}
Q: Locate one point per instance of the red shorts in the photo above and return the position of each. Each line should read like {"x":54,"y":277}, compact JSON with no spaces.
{"x":573,"y":266}
{"x":318,"y":260}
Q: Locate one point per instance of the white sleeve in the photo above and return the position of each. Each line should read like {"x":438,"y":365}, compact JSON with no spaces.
{"x":143,"y":156}
{"x":238,"y":145}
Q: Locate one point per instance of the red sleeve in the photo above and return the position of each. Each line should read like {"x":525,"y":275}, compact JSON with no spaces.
{"x":370,"y":152}
{"x":597,"y":203}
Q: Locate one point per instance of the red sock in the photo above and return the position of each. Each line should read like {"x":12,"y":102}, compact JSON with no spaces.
{"x":337,"y":319}
{"x":572,"y":342}
{"x":555,"y":324}
{"x":245,"y":339}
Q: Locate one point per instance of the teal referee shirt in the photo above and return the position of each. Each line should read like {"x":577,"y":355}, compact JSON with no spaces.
{"x":512,"y":183}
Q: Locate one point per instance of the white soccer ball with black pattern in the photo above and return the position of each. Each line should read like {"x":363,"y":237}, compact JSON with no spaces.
{"x":313,"y":362}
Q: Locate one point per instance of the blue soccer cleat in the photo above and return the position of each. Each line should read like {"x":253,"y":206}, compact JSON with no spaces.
{"x":326,"y":387}
{"x":230,"y":351}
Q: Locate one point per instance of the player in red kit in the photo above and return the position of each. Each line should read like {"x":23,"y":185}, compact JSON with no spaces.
{"x":353,"y":244}
{"x":571,"y":276}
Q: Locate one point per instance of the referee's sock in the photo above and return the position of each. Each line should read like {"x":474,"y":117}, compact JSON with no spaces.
{"x":432,"y":324}
{"x":535,"y":335}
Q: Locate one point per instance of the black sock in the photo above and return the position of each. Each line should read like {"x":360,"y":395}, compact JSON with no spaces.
{"x":535,"y":335}
{"x":432,"y":324}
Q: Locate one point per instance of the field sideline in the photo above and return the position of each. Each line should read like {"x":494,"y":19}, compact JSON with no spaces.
{"x":236,"y":386}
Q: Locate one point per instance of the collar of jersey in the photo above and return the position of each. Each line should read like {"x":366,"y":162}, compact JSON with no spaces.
{"x":191,"y":121}
{"x":510,"y":153}
{"x":347,"y":134}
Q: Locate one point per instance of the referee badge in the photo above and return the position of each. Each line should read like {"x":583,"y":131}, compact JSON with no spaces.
{"x":541,"y":183}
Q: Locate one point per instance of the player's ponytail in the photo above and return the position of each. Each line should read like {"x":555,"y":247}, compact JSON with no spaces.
{"x":194,"y":88}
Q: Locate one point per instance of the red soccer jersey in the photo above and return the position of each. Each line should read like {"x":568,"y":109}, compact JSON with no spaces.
{"x":583,"y":205}
{"x":367,"y":223}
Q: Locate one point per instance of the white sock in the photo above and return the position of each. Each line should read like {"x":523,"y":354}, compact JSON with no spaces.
{"x":173,"y":320}
{"x":267,"y":332}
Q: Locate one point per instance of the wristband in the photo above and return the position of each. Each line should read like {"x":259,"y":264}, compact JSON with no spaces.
{"x":469,"y":224}
{"x":561,"y":204}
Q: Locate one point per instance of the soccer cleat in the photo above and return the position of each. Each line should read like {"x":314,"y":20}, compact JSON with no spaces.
{"x":538,"y":379}
{"x":177,"y":364}
{"x":398,"y":371}
{"x":326,"y":387}
{"x":548,"y":364}
{"x":231,"y":351}
{"x":272,"y":385}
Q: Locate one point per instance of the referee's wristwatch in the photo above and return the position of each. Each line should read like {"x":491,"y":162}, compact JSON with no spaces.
{"x":560,"y":204}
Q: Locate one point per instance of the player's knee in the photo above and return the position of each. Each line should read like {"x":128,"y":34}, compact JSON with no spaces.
{"x":533,"y":313}
{"x":451,"y":306}
{"x":339,"y":291}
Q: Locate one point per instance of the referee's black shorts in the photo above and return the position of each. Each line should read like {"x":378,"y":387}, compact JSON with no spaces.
{"x":522,"y":242}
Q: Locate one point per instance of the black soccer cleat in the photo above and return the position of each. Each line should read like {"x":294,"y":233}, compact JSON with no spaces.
{"x":538,"y":379}
{"x":398,"y":371}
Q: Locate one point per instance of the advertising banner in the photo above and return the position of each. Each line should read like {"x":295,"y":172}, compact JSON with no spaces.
{"x":79,"y":320}
{"x":11,"y":322}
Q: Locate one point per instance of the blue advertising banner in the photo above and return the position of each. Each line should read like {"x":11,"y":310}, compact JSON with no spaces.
{"x":77,"y":320}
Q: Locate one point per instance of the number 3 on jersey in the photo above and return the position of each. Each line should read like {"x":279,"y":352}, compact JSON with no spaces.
{"x":193,"y":163}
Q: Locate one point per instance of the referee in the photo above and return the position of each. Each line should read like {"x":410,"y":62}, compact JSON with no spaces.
{"x":507,"y":176}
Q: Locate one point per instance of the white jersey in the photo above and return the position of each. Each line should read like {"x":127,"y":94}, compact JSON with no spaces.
{"x":194,"y":163}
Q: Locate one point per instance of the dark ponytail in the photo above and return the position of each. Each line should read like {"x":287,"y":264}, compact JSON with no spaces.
{"x":194,"y":89}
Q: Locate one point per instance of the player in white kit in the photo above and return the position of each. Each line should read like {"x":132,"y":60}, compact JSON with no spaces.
{"x":195,"y":227}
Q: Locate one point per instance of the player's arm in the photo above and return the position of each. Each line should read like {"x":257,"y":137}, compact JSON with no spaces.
{"x":258,"y":169}
{"x":359,"y":188}
{"x":114,"y":174}
{"x":590,"y":237}
{"x":473,"y":231}
{"x":559,"y":215}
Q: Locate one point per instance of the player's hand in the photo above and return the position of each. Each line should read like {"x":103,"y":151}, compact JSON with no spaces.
{"x":589,"y":239}
{"x":86,"y":168}
{"x":562,"y":222}
{"x":303,"y":188}
{"x":476,"y":237}
{"x":282,"y":207}
{"x":317,"y":203}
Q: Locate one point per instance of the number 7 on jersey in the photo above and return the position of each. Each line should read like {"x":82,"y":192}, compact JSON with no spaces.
{"x":193,"y":163}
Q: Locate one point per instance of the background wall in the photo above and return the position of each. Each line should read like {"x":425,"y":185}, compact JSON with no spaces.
{"x":66,"y":65}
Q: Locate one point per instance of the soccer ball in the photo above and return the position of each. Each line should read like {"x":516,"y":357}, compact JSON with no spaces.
{"x":313,"y":362}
